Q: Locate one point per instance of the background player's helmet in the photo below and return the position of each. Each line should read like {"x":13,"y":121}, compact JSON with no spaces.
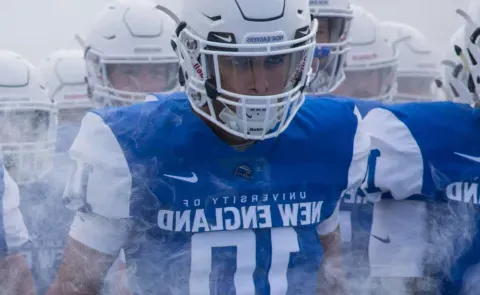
{"x":128,"y":53}
{"x":454,"y":76}
{"x":418,"y":66}
{"x":334,"y":19}
{"x":28,"y":119}
{"x":372,"y":61}
{"x":246,"y":64}
{"x":65,"y":75}
{"x":470,"y":53}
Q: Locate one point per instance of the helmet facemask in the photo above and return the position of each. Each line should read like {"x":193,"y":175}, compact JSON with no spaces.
{"x":415,"y":87}
{"x":250,"y":90}
{"x":28,"y":138}
{"x":117,"y":81}
{"x":330,"y":52}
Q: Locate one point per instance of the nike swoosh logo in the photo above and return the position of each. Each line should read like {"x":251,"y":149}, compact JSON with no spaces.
{"x":249,"y":116}
{"x":191,"y":179}
{"x":304,"y":32}
{"x":226,"y":39}
{"x":383,"y":240}
{"x":472,"y":158}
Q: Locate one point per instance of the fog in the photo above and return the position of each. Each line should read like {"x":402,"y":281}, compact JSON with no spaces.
{"x":35,"y":28}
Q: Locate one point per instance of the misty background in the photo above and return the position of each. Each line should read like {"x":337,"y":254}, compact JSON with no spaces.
{"x":34,"y":28}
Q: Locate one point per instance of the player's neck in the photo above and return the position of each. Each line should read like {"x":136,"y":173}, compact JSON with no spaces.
{"x":236,"y":142}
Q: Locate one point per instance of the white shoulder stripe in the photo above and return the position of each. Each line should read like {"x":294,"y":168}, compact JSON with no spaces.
{"x":109,"y":184}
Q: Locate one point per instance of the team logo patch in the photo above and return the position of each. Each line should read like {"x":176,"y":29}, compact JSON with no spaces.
{"x":244,"y":171}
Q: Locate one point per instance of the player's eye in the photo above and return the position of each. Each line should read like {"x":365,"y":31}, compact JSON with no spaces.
{"x":130,"y":70}
{"x":274,"y":60}
{"x":240,"y":61}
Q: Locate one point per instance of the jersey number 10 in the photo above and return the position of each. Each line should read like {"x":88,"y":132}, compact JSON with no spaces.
{"x":284,"y":241}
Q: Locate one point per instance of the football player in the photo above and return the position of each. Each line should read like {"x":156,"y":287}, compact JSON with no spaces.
{"x":418,"y":66}
{"x":372,"y":60}
{"x":128,"y":54}
{"x":229,"y":188}
{"x":427,"y":152}
{"x":64,"y":73}
{"x":334,"y":20}
{"x":28,"y":131}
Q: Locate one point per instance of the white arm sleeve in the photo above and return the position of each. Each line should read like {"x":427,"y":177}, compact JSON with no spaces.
{"x":99,"y":188}
{"x":356,"y":173}
{"x":15,"y":230}
{"x":399,"y":167}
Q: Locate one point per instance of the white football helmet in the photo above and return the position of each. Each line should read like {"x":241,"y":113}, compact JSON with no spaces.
{"x":454,"y":81}
{"x":334,"y":18}
{"x":65,"y":74}
{"x":28,"y":119}
{"x":372,"y":61}
{"x":245,"y":66}
{"x":418,"y":66}
{"x":128,"y":53}
{"x":470,"y":53}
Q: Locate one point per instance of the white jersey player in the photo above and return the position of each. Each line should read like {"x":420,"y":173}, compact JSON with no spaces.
{"x":128,"y":54}
{"x":334,"y":18}
{"x":418,"y":65}
{"x":372,"y":61}
{"x":28,"y":120}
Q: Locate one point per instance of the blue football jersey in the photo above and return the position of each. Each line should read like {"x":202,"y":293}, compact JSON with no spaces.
{"x":356,"y":216}
{"x":430,"y":152}
{"x":197,"y":216}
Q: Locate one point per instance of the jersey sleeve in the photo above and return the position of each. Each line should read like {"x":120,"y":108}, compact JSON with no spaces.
{"x":395,"y":164}
{"x":356,"y":172}
{"x":15,"y":233}
{"x":99,"y":188}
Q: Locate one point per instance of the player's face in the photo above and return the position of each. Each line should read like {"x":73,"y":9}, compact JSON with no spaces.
{"x":323,"y":32}
{"x":365,"y":83}
{"x":258,"y":76}
{"x":149,"y":78}
{"x":323,"y":36}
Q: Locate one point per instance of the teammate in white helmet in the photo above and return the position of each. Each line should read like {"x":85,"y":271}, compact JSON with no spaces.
{"x":28,"y":120}
{"x":372,"y":60}
{"x":418,"y":65}
{"x":454,"y":80}
{"x":334,"y":18}
{"x":470,"y":53}
{"x":128,"y":54}
{"x":231,"y":187}
{"x":65,"y":75}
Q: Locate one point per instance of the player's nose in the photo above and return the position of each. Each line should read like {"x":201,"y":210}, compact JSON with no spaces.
{"x":259,"y":81}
